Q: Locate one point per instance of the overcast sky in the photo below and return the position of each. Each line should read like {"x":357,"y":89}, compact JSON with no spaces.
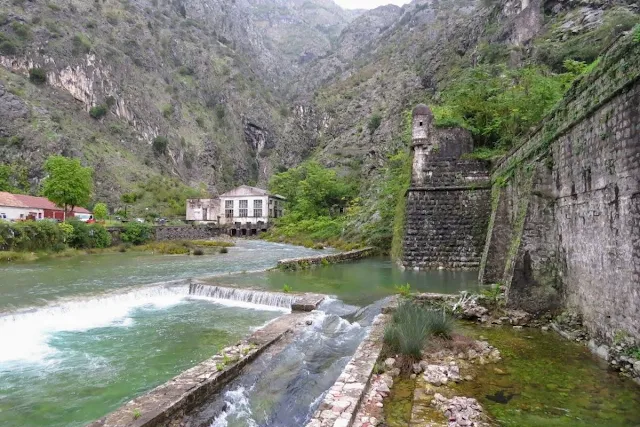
{"x":368,"y":4}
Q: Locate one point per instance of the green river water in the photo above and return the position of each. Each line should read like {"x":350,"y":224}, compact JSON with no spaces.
{"x":81,"y":336}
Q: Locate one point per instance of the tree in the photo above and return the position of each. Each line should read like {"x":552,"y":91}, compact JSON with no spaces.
{"x":68,"y":183}
{"x":100,"y":211}
{"x":311,"y":190}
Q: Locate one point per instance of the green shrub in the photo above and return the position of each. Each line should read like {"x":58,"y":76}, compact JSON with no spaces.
{"x":220,"y":112}
{"x":168,"y":110}
{"x":636,"y":33}
{"x":81,"y":44}
{"x":9,"y":46}
{"x":81,"y":237}
{"x":67,"y":230}
{"x":160,"y":144}
{"x":30,"y":236}
{"x":98,"y":111}
{"x":198,"y":252}
{"x":287,"y":289}
{"x":100,"y":211}
{"x":37,"y":75}
{"x":100,"y":237}
{"x":374,"y":123}
{"x":224,"y":250}
{"x":22,"y":30}
{"x":136,"y":233}
{"x":499,"y":104}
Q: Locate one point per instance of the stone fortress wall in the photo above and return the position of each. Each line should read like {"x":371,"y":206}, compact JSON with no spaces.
{"x":559,"y":216}
{"x":564,"y":230}
{"x":448,"y":201}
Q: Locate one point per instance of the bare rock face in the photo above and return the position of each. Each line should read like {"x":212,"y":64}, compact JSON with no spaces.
{"x":11,"y":107}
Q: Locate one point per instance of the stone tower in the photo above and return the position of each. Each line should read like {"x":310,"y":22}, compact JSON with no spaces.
{"x":422,"y":143}
{"x":448,"y":201}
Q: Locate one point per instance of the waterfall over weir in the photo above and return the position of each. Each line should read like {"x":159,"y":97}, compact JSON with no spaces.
{"x":272,"y":299}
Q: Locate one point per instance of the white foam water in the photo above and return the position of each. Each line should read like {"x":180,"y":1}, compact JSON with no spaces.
{"x":237,"y":404}
{"x":245,"y":296}
{"x":25,"y":334}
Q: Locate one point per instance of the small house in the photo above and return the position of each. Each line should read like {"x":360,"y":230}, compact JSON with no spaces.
{"x":19,"y":207}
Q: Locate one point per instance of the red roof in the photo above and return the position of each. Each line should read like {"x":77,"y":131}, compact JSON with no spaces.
{"x":22,"y":201}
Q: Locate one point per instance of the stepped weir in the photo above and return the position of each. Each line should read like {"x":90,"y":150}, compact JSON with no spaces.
{"x":295,"y":302}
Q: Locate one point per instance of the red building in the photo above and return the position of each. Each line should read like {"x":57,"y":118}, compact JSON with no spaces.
{"x":21,"y":207}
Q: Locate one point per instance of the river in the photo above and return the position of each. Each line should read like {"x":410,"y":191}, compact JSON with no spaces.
{"x":81,"y":336}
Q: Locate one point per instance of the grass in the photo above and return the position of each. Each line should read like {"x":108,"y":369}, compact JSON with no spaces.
{"x":178,"y":247}
{"x":166,"y":248}
{"x":287,"y":289}
{"x":136,"y":414}
{"x":403,"y":290}
{"x":411,"y":328}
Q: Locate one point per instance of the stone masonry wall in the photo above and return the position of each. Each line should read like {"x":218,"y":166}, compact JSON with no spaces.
{"x":445,"y":228}
{"x":567,"y":200}
{"x":169,"y":232}
{"x":448,"y":203}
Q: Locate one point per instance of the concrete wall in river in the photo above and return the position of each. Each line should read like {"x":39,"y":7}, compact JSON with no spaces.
{"x":564,"y":229}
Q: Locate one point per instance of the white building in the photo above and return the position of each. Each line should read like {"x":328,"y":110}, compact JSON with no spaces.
{"x":203,"y":210}
{"x":243,"y":205}
{"x":247,"y":204}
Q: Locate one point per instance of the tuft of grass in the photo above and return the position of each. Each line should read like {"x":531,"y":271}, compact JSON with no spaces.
{"x":412,"y":326}
{"x":403,"y":290}
{"x":224,"y":250}
{"x":198,"y":252}
{"x":136,"y":414}
{"x":287,"y":289}
{"x":439,"y":323}
{"x":636,"y":33}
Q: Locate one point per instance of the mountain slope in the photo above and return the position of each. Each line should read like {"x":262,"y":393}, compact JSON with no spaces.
{"x":215,"y":93}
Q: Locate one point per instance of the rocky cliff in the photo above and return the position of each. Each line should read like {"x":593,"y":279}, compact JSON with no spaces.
{"x":222,"y":92}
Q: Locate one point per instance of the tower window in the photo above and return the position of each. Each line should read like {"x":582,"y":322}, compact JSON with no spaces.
{"x":420,"y":123}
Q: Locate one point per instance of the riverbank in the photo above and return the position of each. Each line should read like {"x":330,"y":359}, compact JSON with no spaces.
{"x":496,"y":372}
{"x":195,"y":247}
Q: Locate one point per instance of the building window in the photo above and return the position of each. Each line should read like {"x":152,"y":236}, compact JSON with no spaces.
{"x":257,"y":208}
{"x":244,"y":208}
{"x":228,"y":208}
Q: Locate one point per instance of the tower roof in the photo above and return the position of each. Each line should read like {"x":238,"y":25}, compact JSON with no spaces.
{"x":421,"y":110}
